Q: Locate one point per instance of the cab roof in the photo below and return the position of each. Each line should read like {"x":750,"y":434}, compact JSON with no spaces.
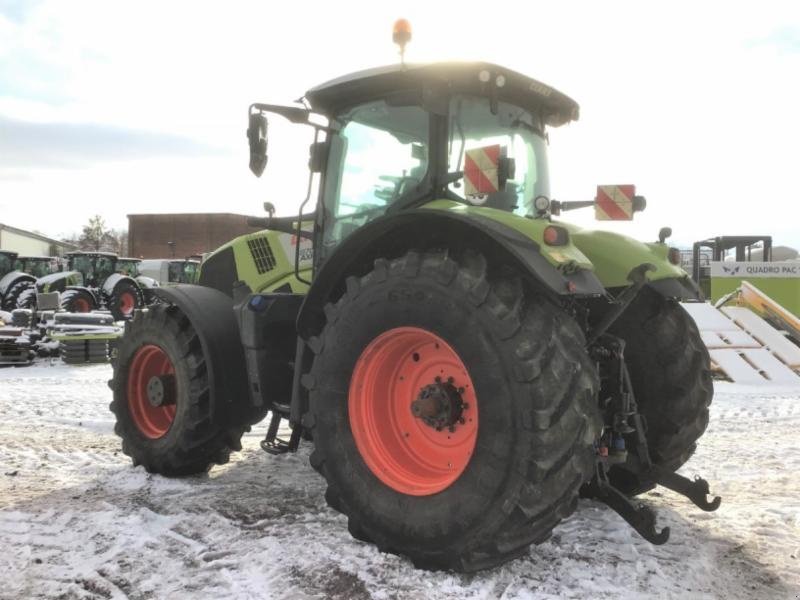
{"x":478,"y":78}
{"x":90,"y":253}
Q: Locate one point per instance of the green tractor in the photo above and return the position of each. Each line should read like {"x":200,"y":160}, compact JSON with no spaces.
{"x":13,"y":280}
{"x":92,"y":281}
{"x":466,"y":364}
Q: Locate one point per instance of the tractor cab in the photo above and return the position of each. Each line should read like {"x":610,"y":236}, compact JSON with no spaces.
{"x":401,"y":136}
{"x":183,"y":271}
{"x":38,"y":266}
{"x":94,"y":267}
{"x":128,"y":266}
{"x":7,"y":261}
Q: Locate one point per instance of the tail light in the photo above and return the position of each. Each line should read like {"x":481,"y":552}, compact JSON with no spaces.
{"x":555,"y":236}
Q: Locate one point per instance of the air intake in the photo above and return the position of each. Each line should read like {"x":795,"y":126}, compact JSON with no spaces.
{"x":262,"y":254}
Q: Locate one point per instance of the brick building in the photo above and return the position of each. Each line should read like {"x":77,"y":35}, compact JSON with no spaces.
{"x":181,"y":235}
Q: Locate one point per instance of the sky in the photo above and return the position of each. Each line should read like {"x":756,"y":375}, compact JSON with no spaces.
{"x":115,"y":108}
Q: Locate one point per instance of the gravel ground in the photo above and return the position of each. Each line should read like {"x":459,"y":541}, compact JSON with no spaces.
{"x":78,"y":521}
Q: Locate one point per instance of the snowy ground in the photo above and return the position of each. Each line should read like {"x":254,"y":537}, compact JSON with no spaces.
{"x":77,"y":521}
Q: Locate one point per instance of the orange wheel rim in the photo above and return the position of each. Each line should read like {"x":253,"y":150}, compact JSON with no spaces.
{"x":150,"y":368}
{"x":413,"y":411}
{"x":126,"y":303}
{"x":81,"y":305}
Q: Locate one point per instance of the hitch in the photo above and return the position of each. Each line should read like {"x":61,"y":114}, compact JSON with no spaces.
{"x":624,"y":423}
{"x":696,"y":490}
{"x":272,"y":444}
{"x":639,"y":516}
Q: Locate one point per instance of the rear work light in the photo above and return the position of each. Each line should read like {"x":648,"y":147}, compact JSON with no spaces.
{"x":555,"y":236}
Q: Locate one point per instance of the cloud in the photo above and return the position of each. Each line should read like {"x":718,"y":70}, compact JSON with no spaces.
{"x":37,"y":145}
{"x":785,"y":40}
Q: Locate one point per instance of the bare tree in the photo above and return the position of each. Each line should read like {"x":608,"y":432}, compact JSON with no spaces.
{"x":96,"y":236}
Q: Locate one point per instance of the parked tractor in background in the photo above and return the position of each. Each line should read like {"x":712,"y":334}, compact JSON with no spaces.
{"x":91,"y":282}
{"x":38,"y":266}
{"x":13,"y":282}
{"x":167,"y":271}
{"x":465,"y":363}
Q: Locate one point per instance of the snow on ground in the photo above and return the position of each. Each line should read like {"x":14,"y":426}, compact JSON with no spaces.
{"x":78,"y":521}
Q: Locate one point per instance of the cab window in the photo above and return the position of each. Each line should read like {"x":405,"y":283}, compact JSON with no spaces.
{"x":473,"y":126}
{"x":378,"y":155}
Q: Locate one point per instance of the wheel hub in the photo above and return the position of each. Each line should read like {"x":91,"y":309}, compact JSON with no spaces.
{"x":440,"y":405}
{"x":161,"y":390}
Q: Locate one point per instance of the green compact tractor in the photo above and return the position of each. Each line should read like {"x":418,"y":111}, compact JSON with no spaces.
{"x":92,"y":280}
{"x":13,"y":280}
{"x":465,"y":363}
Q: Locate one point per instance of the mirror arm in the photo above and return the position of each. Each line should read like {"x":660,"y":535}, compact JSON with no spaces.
{"x":293,"y":114}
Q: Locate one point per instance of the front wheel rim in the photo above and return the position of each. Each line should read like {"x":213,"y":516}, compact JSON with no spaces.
{"x":127,"y":303}
{"x":149,"y":362}
{"x":414,"y":448}
{"x":81,"y":305}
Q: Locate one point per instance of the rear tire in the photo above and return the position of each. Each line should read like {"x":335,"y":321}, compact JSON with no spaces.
{"x":196,"y":435}
{"x":670,"y":372}
{"x":77,"y":301}
{"x":536,"y":403}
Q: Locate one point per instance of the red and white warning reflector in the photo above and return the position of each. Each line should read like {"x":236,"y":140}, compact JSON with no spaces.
{"x":481,"y":173}
{"x":614,"y":202}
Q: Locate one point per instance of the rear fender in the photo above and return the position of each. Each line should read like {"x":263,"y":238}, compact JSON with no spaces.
{"x":393,"y":235}
{"x":211,"y":314}
{"x":614,"y":256}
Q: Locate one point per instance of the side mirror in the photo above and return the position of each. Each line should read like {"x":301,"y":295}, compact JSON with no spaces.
{"x":257,"y":137}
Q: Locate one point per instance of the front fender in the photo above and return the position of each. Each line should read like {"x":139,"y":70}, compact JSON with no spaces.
{"x":393,"y":235}
{"x":9,"y":279}
{"x":211,"y":314}
{"x":58,"y":282}
{"x":90,"y":291}
{"x":113,"y":280}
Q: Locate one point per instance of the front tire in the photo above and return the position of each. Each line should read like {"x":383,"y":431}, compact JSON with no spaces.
{"x":124,"y":300}
{"x":17,"y":291}
{"x":533,"y":401}
{"x":77,"y":301}
{"x":27,"y":299}
{"x":670,"y":372}
{"x":162,"y":400}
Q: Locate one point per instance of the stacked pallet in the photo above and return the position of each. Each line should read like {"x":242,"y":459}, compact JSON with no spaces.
{"x":744,"y":347}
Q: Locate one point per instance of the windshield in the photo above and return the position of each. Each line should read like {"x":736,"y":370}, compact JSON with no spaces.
{"x":82,"y":264}
{"x":378,"y":154}
{"x":189,"y":273}
{"x":128,"y":267}
{"x":515,"y":131}
{"x":37,"y":267}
